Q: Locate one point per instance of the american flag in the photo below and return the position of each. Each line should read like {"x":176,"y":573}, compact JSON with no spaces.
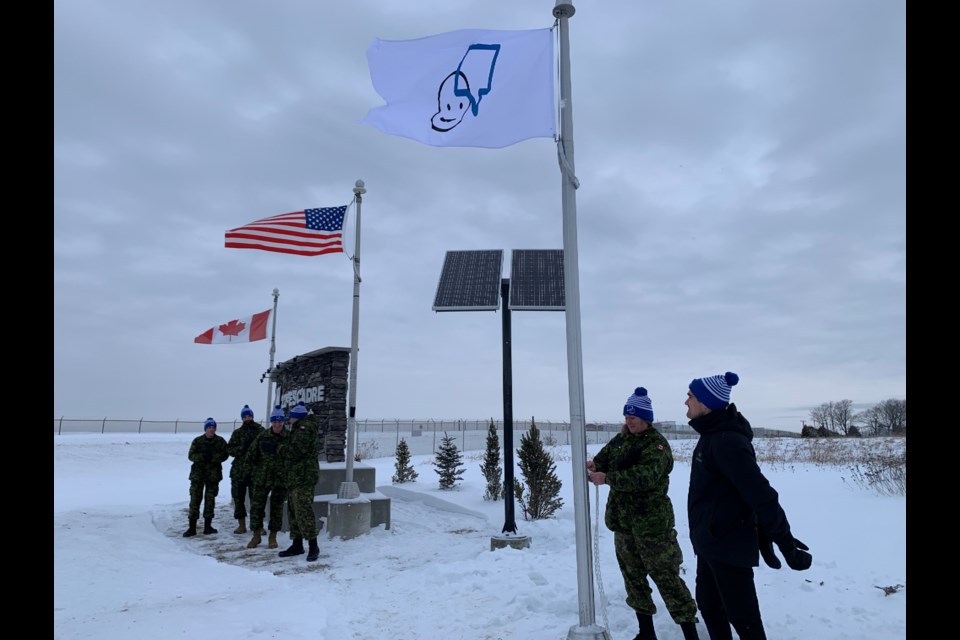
{"x":311,"y":232}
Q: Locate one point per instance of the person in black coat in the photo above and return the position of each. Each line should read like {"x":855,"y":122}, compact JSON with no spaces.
{"x":733,"y":512}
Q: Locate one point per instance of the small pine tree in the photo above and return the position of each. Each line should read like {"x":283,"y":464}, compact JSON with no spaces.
{"x":447,"y":463}
{"x":405,"y":471}
{"x":492,"y":471}
{"x":539,"y":473}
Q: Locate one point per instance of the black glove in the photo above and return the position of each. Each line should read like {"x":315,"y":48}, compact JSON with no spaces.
{"x":766,"y":550}
{"x":795,"y":553}
{"x":268,"y":445}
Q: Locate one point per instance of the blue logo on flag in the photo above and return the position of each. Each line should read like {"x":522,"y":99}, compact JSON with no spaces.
{"x":454,"y":95}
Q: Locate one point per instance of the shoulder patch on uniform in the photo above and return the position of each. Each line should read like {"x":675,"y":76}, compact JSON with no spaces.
{"x":660,"y":446}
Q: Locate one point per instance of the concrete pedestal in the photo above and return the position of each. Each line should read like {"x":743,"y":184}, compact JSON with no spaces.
{"x":330,"y":487}
{"x":348,"y":518}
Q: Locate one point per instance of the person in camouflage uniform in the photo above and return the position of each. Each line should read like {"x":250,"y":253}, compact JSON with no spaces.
{"x":266,"y":468}
{"x":301,"y":465}
{"x":636,"y":465}
{"x":241,"y":481}
{"x":207,"y":453}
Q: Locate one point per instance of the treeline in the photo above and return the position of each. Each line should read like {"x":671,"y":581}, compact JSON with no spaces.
{"x":886,"y":418}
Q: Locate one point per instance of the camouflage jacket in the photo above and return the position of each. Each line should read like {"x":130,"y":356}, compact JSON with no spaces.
{"x":638,"y":467}
{"x":239,"y":444}
{"x":207,"y":468}
{"x":300,"y":452}
{"x":263,"y":458}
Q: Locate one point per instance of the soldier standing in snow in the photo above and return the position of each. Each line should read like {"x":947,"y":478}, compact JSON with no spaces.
{"x":207,"y":453}
{"x":300,"y":453}
{"x":636,"y":464}
{"x":241,"y":481}
{"x":734,"y":513}
{"x":266,"y":467}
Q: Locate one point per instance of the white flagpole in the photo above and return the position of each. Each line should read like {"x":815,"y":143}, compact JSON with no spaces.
{"x":273,"y":351}
{"x":587,"y":629}
{"x":350,"y":489}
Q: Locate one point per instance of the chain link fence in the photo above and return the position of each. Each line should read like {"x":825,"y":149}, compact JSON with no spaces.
{"x":378,"y":438}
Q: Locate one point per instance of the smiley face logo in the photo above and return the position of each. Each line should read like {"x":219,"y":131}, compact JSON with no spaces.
{"x":455,"y":95}
{"x":450,"y":107}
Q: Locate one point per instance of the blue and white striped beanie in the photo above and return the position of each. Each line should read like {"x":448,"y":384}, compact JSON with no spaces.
{"x":209,"y":422}
{"x":277,"y":414}
{"x":246,"y":411}
{"x":714,"y":391}
{"x":299,"y":411}
{"x":639,"y":405}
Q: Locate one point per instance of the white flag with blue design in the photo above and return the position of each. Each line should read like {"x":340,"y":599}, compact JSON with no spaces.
{"x":469,"y":88}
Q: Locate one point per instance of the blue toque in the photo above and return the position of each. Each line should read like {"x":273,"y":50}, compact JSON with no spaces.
{"x":246,"y":411}
{"x":209,"y":422}
{"x":639,"y":405}
{"x":277,"y":414}
{"x":298,"y":411}
{"x":714,"y":391}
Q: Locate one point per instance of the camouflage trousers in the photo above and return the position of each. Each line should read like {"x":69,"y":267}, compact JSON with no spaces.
{"x":303,"y":523}
{"x":239,"y":487}
{"x":658,"y":559}
{"x":205,"y":492}
{"x":258,"y":506}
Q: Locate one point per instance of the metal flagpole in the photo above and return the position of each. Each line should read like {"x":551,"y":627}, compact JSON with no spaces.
{"x":562,"y":11}
{"x":273,"y":351}
{"x":350,"y":489}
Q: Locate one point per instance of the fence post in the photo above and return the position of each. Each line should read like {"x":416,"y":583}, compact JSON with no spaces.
{"x":60,"y":426}
{"x":398,"y":432}
{"x":104,"y":425}
{"x":140,"y":426}
{"x":176,"y":424}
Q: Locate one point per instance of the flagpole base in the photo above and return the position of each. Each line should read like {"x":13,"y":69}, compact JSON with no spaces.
{"x":591,"y":632}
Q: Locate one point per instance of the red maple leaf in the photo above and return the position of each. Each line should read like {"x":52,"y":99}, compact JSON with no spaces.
{"x":232,"y":328}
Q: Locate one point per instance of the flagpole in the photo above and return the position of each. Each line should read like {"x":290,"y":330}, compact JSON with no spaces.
{"x":273,"y":351}
{"x":349,"y":489}
{"x":562,"y":11}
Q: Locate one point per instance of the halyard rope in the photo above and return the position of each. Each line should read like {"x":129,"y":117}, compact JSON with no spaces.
{"x":596,"y":556}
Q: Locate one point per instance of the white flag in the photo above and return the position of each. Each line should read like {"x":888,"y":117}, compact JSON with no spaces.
{"x":469,"y":88}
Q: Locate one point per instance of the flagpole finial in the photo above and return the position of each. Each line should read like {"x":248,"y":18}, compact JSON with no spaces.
{"x":359,"y":188}
{"x":564,"y":9}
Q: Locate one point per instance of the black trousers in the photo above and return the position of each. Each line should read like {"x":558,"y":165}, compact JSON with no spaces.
{"x":726,"y":595}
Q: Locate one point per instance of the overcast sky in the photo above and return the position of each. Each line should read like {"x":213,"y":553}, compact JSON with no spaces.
{"x":742,"y":207}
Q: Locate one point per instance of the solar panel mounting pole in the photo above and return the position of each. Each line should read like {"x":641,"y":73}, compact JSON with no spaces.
{"x":587,"y":629}
{"x":509,"y":520}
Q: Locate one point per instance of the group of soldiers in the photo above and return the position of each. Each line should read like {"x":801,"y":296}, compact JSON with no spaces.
{"x":276,"y":464}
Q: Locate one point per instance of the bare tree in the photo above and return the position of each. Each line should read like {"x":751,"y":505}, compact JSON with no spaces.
{"x":841,"y":416}
{"x":894,"y":414}
{"x":871,"y":421}
{"x":820,"y":416}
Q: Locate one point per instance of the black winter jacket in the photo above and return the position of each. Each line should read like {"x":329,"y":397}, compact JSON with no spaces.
{"x":729,"y":495}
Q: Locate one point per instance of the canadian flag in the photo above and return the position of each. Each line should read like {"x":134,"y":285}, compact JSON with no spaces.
{"x":249,"y":329}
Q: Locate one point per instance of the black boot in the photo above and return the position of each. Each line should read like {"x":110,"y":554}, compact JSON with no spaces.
{"x":314,"y":550}
{"x":192,"y":529}
{"x":207,"y":527}
{"x":647,"y":632}
{"x":689,"y":630}
{"x":294,"y":549}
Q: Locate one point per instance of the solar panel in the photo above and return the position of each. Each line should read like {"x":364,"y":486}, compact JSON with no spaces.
{"x":470,"y":281}
{"x":536,"y":280}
